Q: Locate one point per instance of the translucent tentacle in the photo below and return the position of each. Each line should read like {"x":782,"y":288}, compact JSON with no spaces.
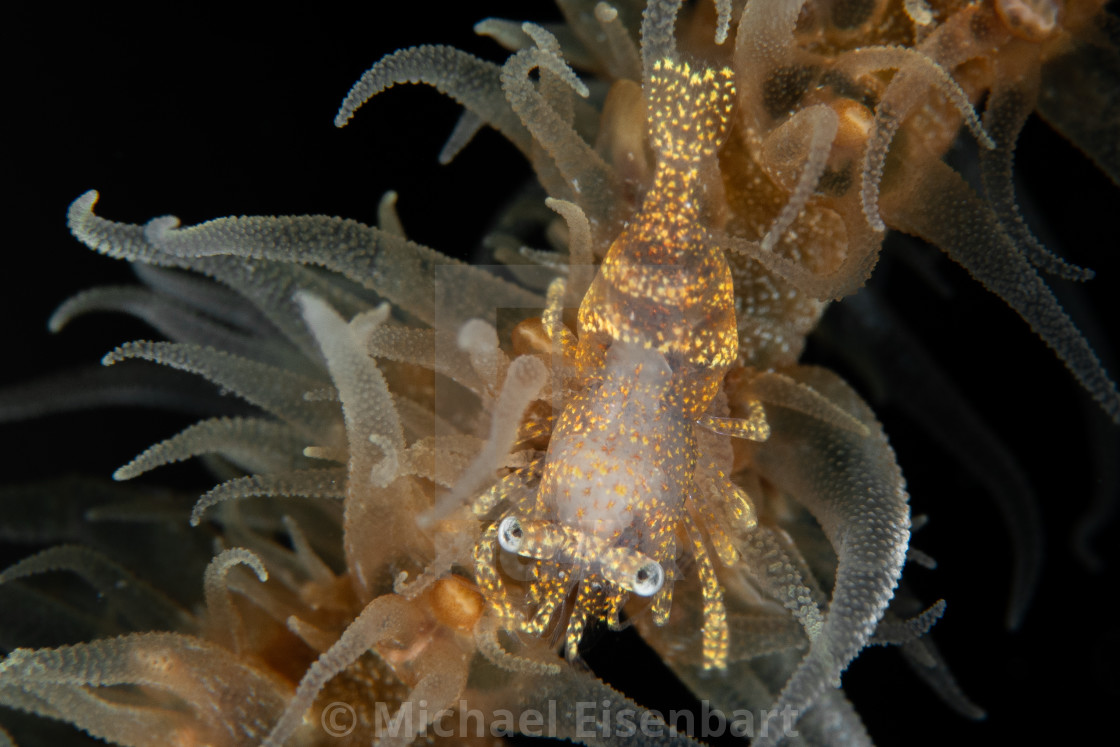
{"x":276,"y":390}
{"x":419,"y":347}
{"x":834,"y":285}
{"x":33,"y":618}
{"x":116,"y":240}
{"x":944,"y":210}
{"x":581,"y":260}
{"x":254,"y":444}
{"x":305,"y":483}
{"x":145,"y":608}
{"x":723,"y":20}
{"x":273,"y":286}
{"x":1009,"y":105}
{"x":901,"y":96}
{"x":367,"y":405}
{"x":124,"y":724}
{"x":442,"y":671}
{"x":833,"y":722}
{"x":384,"y":618}
{"x":855,"y":490}
{"x":94,"y":386}
{"x":226,"y":699}
{"x":479,"y":340}
{"x":397,"y":269}
{"x":764,"y":47}
{"x":759,"y":634}
{"x":440,"y":459}
{"x":206,"y":296}
{"x":896,"y":632}
{"x":466,"y":127}
{"x":777,"y":574}
{"x":175,"y":321}
{"x":270,"y":286}
{"x":1088,"y":532}
{"x":584,"y":171}
{"x":223,"y":620}
{"x":472,"y":82}
{"x":387,"y":218}
{"x":917,"y":382}
{"x":927,"y":662}
{"x":823,"y":124}
{"x":524,"y":380}
{"x":504,"y":31}
{"x":622,"y":58}
{"x":309,"y":560}
{"x":778,"y":389}
{"x":486,"y":636}
{"x":917,"y":557}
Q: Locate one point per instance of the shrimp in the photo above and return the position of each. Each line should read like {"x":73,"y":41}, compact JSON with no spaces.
{"x":656,"y":336}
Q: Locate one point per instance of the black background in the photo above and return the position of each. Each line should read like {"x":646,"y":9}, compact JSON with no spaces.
{"x":205,"y":113}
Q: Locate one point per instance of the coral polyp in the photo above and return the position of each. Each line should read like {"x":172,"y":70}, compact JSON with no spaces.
{"x":433,"y":486}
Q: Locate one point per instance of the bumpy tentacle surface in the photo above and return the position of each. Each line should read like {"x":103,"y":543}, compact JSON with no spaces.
{"x":854,"y":488}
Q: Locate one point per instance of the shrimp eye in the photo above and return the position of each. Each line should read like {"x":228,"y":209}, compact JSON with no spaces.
{"x":510,"y":534}
{"x":648,"y":579}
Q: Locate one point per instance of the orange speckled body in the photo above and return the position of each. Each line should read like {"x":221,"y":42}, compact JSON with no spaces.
{"x":656,"y":336}
{"x":662,"y":284}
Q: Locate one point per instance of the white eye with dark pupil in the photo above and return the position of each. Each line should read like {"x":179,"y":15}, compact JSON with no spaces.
{"x":510,"y":534}
{"x":648,"y":579}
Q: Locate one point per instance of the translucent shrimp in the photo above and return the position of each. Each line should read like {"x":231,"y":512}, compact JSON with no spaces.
{"x":656,"y":335}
